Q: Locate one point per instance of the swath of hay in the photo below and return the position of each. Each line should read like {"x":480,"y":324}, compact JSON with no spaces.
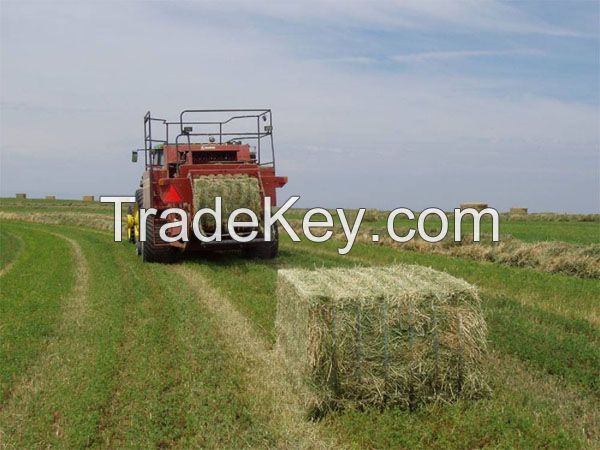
{"x":236,"y":191}
{"x":401,"y":335}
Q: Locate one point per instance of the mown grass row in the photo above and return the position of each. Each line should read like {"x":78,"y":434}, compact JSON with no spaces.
{"x":141,"y":368}
{"x":31,"y":296}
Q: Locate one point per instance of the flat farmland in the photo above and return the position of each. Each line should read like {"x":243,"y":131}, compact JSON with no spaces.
{"x":101,"y":350}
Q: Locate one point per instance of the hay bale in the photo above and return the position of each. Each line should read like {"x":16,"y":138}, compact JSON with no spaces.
{"x":401,"y":335}
{"x":474,"y":205}
{"x":236,"y":191}
{"x":22,"y":196}
{"x":88,"y":198}
{"x":50,"y":197}
{"x":518,"y":211}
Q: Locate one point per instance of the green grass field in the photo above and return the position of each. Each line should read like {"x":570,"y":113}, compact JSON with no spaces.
{"x":101,"y":350}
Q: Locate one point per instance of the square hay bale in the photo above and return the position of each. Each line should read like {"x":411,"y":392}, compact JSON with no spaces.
{"x":401,"y":335}
{"x":20,"y":195}
{"x":50,"y":197}
{"x":474,"y":205}
{"x":88,"y":198}
{"x":518,"y":211}
{"x":236,"y":191}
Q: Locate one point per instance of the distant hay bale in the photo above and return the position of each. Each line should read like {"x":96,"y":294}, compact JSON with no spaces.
{"x":518,"y":211}
{"x":401,"y":335}
{"x":236,"y":191}
{"x":474,"y":205}
{"x":23,"y":196}
{"x":50,"y":197}
{"x":88,"y":198}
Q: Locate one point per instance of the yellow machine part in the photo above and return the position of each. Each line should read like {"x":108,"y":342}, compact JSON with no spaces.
{"x":133,"y":224}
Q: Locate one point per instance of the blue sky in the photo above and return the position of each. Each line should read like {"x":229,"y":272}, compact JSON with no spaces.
{"x":386,"y":104}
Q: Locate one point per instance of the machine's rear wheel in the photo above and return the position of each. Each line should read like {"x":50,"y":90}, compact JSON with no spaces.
{"x":155,"y":253}
{"x":264,"y":250}
{"x":149,"y":250}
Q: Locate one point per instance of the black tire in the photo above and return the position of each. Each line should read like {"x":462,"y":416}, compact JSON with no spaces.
{"x":154,"y":253}
{"x":149,"y":251}
{"x":264,"y":250}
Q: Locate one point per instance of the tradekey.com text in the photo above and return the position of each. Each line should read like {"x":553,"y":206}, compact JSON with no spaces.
{"x":316,"y":218}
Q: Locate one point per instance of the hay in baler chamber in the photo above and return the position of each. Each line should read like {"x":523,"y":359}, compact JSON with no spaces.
{"x":236,"y":191}
{"x":398,"y":336}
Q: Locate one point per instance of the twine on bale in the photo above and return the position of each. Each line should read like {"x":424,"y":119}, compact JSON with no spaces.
{"x":401,"y":335}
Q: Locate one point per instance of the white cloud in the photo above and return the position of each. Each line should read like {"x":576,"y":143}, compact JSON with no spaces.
{"x":462,"y":54}
{"x":462,"y":15}
{"x":492,"y":15}
{"x":74,"y":92}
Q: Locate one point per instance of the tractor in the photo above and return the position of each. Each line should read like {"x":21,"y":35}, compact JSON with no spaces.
{"x":187,"y":160}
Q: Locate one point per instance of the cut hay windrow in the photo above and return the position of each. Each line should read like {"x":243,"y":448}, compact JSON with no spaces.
{"x":236,"y":191}
{"x":401,"y":335}
{"x":96,"y":221}
{"x":578,"y":260}
{"x":553,"y":217}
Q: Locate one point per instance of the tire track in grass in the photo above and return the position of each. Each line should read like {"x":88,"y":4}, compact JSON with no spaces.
{"x":13,"y":254}
{"x":54,"y":362}
{"x":274,"y":399}
{"x":166,"y":395}
{"x":31,"y":299}
{"x":66,"y":413}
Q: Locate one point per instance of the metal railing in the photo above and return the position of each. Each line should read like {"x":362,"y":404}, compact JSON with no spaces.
{"x":221,"y":124}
